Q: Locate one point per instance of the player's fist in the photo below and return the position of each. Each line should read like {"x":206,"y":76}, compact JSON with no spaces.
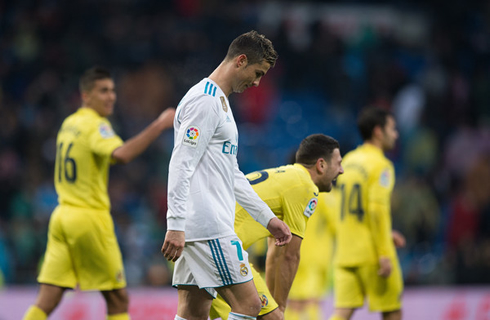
{"x":280,"y":231}
{"x":384,"y":267}
{"x":173,"y":245}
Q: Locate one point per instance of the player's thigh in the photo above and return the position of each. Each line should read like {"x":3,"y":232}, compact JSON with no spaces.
{"x":348,"y":288}
{"x":221,"y":309}
{"x":57,"y":267}
{"x":242,"y":298}
{"x":267,"y":301}
{"x":193,"y":303}
{"x":384,"y":294}
{"x":95,"y":251}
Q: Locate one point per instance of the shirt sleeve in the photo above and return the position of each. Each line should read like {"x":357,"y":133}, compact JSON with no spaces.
{"x":299,"y":203}
{"x":102,"y":140}
{"x":380,"y":211}
{"x":247,"y":197}
{"x":199,"y":121}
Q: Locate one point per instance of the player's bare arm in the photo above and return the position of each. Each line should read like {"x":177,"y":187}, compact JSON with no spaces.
{"x":139,"y":143}
{"x":282,"y":270}
{"x":173,"y":245}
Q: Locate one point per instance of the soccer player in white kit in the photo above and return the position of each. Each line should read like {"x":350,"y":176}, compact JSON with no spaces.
{"x":205,"y":183}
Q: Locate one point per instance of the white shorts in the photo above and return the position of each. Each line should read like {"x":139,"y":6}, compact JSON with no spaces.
{"x":211,"y":264}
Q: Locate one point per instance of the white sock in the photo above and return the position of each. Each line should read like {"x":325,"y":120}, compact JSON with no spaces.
{"x":178,"y":318}
{"x":237,"y":316}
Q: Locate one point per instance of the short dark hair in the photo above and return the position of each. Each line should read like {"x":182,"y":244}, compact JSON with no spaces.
{"x":370,"y":118}
{"x":88,"y":78}
{"x":255,"y":46}
{"x":314,"y":147}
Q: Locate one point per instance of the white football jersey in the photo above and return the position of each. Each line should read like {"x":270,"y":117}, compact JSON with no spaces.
{"x":204,"y":180}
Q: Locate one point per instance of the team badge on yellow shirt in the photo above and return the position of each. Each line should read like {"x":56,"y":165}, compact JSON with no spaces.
{"x":264,"y":300}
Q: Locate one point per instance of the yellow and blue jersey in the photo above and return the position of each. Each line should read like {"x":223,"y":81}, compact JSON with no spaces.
{"x":84,"y":148}
{"x":363,"y":227}
{"x":290,"y":194}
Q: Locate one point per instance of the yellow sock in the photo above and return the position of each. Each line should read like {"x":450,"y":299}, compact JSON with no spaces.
{"x":34,"y":313}
{"x":335,"y":317}
{"x":119,"y":316}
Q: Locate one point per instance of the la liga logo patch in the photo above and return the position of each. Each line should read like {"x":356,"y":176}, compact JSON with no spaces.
{"x":105,"y":131}
{"x":191,"y":136}
{"x":310,"y":208}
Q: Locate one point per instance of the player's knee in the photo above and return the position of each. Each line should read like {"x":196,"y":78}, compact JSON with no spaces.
{"x":250,"y":307}
{"x":117,"y":301}
{"x":256,"y":307}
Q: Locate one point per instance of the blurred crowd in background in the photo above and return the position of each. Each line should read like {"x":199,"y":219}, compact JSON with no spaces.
{"x":426,"y":61}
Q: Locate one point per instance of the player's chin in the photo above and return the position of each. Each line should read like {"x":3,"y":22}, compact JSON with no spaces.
{"x":327,"y":188}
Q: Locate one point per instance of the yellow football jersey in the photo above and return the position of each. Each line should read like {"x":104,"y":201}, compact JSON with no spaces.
{"x":290,"y":194}
{"x":84,"y":147}
{"x":363,"y":227}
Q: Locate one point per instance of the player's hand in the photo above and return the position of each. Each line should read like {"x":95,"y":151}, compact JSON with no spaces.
{"x":384,"y":267}
{"x":166,"y":118}
{"x":398,"y":239}
{"x":173,"y":245}
{"x":280,"y":231}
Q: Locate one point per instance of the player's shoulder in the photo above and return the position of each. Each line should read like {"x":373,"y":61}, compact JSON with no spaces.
{"x":298,"y":177}
{"x":202,"y":97}
{"x":84,"y":119}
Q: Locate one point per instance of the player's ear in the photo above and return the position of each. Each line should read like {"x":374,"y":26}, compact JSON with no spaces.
{"x":378,"y":132}
{"x":321,"y":165}
{"x":84,"y":96}
{"x":241,"y":60}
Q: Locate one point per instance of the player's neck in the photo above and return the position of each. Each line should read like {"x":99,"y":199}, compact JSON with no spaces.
{"x":221,"y":76}
{"x":375,"y":143}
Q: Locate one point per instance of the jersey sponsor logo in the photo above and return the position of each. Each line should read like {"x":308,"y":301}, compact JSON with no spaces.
{"x":384,"y":179}
{"x":264,"y":300}
{"x":243,"y":269}
{"x":223,"y":104}
{"x":310,"y":208}
{"x":106,"y":131}
{"x":229,"y":148}
{"x":191,"y":136}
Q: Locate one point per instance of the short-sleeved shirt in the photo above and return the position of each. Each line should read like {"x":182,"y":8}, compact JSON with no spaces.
{"x":363,"y":227}
{"x":290,"y":193}
{"x":84,"y":148}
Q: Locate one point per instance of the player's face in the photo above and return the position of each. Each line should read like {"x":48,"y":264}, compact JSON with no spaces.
{"x":390,"y":134}
{"x":250,"y":75}
{"x":101,"y":98}
{"x":334,"y":169}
